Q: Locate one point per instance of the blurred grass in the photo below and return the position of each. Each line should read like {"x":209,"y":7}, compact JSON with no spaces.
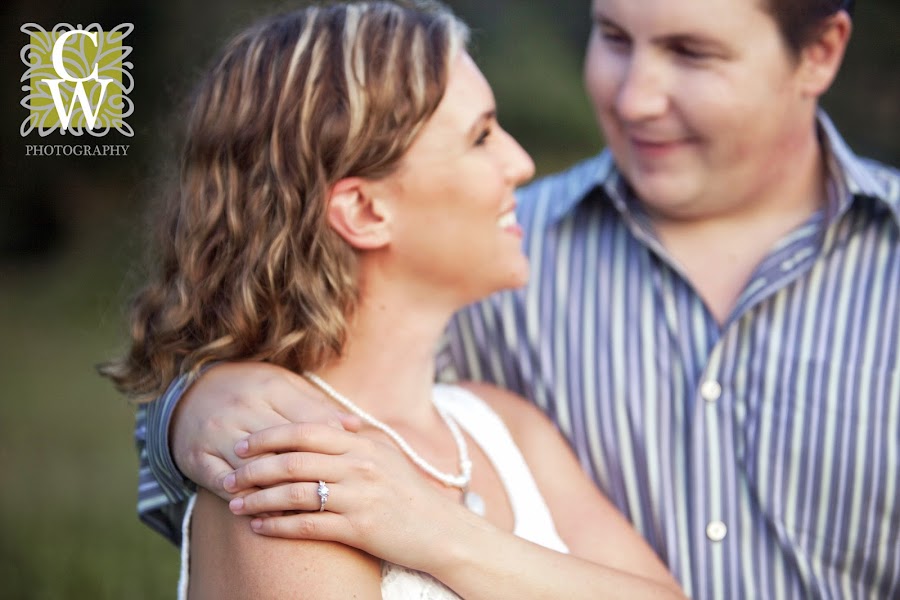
{"x":67,"y":519}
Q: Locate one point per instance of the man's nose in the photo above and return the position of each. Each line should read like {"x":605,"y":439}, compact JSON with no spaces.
{"x":642,"y":92}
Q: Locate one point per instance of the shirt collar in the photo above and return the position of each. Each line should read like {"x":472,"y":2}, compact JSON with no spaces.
{"x":583,"y":179}
{"x":852,"y":175}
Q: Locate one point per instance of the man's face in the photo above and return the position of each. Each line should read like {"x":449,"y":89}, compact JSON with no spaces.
{"x":700,"y":102}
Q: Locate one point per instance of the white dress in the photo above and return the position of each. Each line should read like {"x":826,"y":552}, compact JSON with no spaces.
{"x":530,"y":513}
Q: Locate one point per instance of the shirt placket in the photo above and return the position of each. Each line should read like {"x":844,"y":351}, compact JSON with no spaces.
{"x":715,"y":527}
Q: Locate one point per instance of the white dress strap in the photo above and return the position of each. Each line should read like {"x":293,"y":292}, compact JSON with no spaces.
{"x":184,"y":572}
{"x":533,"y":520}
{"x":532,"y":517}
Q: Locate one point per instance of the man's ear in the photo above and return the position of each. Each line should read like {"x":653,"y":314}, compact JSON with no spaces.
{"x":821,"y":59}
{"x":358,"y":217}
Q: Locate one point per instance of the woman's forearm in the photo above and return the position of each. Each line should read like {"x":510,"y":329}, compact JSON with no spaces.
{"x":479,"y":561}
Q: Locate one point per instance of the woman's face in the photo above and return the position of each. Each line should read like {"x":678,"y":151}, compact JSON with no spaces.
{"x":454,"y":226}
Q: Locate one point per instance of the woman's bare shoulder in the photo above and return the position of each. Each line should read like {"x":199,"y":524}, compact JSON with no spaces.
{"x":229,"y":560}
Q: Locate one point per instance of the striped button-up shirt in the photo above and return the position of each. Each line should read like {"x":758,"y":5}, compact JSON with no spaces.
{"x":759,"y":457}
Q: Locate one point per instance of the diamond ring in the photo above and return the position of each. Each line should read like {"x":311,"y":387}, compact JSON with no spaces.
{"x":323,"y":495}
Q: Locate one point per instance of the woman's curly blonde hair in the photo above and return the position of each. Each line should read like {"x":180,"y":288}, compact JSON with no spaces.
{"x":248,"y":267}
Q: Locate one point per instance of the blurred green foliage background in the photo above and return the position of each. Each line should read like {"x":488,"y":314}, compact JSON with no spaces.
{"x":72,"y":230}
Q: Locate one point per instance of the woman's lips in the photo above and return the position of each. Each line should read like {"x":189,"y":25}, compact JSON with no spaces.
{"x":507,"y":222}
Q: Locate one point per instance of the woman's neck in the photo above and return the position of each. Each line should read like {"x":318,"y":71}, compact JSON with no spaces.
{"x":387,"y":365}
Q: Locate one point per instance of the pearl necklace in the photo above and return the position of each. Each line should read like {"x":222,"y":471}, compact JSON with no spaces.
{"x":460,"y":481}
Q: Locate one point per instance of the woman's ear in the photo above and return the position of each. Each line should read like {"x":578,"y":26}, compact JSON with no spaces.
{"x":358,"y":217}
{"x":821,"y":58}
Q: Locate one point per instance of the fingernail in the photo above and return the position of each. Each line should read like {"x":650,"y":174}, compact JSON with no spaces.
{"x":256,"y":524}
{"x":236,"y":504}
{"x":230,"y":481}
{"x":242,"y":447}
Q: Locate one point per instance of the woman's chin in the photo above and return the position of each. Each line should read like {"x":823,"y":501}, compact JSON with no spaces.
{"x":518,"y":277}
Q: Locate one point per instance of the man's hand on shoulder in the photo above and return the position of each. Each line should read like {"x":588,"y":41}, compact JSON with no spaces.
{"x":230,"y":401}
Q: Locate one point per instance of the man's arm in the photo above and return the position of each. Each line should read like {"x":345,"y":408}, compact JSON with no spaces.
{"x":162,"y":490}
{"x":188,"y":434}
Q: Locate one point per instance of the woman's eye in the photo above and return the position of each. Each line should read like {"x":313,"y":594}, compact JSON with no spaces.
{"x":483,"y":136}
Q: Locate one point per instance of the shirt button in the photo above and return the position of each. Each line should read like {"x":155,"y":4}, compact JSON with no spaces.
{"x":716,"y":530}
{"x":710,"y":390}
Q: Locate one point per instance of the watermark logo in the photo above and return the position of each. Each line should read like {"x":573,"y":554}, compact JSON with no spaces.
{"x":77,"y":80}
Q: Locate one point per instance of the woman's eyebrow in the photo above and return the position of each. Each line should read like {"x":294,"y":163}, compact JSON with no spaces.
{"x":486,"y":116}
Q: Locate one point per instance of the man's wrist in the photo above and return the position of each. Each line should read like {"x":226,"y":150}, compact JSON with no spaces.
{"x":174,"y":484}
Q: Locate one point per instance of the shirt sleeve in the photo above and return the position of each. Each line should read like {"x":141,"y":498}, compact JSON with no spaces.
{"x":162,"y":489}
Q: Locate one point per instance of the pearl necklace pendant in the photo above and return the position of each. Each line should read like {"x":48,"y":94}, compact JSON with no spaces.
{"x":474,"y":502}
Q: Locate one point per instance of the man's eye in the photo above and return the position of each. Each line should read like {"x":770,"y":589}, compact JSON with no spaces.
{"x":691,"y":53}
